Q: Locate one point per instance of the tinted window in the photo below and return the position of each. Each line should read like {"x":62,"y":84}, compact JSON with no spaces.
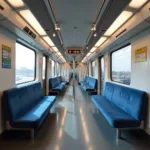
{"x":25,"y":64}
{"x":44,"y":67}
{"x":121,"y":65}
{"x":53,"y":68}
{"x":102,"y":75}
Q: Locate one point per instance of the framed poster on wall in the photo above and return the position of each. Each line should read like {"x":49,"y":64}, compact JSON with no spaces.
{"x":141,"y":54}
{"x":6,"y":57}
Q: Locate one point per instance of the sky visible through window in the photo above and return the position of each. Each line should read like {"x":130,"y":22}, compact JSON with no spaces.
{"x":25,"y":64}
{"x":121,"y":59}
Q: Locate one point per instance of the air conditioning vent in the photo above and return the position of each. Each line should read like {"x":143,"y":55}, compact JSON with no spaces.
{"x":29,"y":32}
{"x":1,"y":7}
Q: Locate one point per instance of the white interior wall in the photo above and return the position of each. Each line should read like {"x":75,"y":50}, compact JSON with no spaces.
{"x":82,"y":71}
{"x":66,"y":71}
{"x":140,"y":72}
{"x":7,"y":76}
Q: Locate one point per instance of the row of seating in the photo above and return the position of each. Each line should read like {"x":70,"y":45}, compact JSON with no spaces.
{"x":89,"y":84}
{"x":26,"y":107}
{"x":123,"y":107}
{"x":56,"y":84}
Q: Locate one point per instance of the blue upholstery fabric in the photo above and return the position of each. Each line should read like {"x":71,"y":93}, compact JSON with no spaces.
{"x":114,"y":115}
{"x":90,"y":84}
{"x":56,"y":84}
{"x":122,"y":106}
{"x":35,"y":116}
{"x":23,"y":101}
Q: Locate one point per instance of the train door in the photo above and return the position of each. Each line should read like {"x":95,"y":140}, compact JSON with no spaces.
{"x":44,"y":72}
{"x":102,"y":79}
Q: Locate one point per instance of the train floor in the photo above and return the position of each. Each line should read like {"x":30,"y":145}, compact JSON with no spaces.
{"x":75,"y":125}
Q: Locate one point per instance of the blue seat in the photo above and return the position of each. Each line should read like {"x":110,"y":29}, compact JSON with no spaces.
{"x":123,"y":107}
{"x":56,"y":84}
{"x":90,"y":84}
{"x":26,"y":106}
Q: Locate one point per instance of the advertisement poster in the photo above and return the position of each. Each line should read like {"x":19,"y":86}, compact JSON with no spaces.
{"x":141,"y":54}
{"x":6,"y":57}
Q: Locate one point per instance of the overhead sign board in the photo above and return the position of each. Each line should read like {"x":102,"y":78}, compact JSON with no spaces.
{"x":72,"y":51}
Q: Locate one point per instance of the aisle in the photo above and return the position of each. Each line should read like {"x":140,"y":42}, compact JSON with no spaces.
{"x":75,"y":125}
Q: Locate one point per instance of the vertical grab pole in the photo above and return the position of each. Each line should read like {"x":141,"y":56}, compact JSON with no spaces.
{"x":73,"y":77}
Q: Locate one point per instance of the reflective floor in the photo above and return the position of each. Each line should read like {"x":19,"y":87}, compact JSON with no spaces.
{"x":75,"y":125}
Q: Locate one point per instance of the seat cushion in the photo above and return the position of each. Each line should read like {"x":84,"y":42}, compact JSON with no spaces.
{"x":58,"y":88}
{"x":35,"y":117}
{"x":88,"y":88}
{"x":113,"y":114}
{"x":125,"y":98}
{"x":18,"y":101}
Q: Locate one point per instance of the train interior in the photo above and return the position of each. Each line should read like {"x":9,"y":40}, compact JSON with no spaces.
{"x":74,"y":74}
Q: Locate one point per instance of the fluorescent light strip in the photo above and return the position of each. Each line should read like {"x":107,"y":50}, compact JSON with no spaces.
{"x":29,"y":17}
{"x":49,"y":41}
{"x":100,"y":41}
{"x":93,"y":49}
{"x":55,"y":49}
{"x":88,"y":54}
{"x":123,"y":17}
{"x":16,"y":3}
{"x":137,"y":3}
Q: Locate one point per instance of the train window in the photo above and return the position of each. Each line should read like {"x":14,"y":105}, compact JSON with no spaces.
{"x":121,"y":65}
{"x":93,"y":68}
{"x":25,"y":64}
{"x":44,"y":68}
{"x":58,"y":69}
{"x":102,"y":75}
{"x":53,"y":68}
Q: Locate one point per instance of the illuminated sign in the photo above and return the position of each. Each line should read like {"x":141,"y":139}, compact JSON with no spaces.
{"x":74,"y":51}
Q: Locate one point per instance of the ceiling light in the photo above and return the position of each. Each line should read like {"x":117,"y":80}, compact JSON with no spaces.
{"x":88,"y":54}
{"x":123,"y":17}
{"x":59,"y":53}
{"x":57,"y":27}
{"x":93,"y":49}
{"x":48,"y":40}
{"x":54,"y":34}
{"x":93,"y":27}
{"x":55,"y":49}
{"x":137,"y":3}
{"x":16,"y":3}
{"x":29,"y":17}
{"x":95,"y":34}
{"x":100,"y":41}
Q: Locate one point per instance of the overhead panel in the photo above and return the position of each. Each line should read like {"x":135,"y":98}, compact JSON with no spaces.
{"x":111,"y":12}
{"x":76,"y":18}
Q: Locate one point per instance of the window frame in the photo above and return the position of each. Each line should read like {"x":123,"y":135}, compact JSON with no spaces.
{"x":35,"y":66}
{"x":129,"y":44}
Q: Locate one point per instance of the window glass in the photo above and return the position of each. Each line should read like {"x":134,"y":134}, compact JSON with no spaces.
{"x":44,"y":67}
{"x":121,"y":65}
{"x":102,"y":75}
{"x":94,"y":68}
{"x":25,"y":64}
{"x":53,"y":68}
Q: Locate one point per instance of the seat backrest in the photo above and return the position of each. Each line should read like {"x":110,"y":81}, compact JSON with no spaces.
{"x":59,"y":79}
{"x":92,"y":83}
{"x":53,"y":82}
{"x":132,"y":101}
{"x":19,"y":100}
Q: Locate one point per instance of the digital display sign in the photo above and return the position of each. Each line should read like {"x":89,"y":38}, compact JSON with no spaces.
{"x":74,"y":51}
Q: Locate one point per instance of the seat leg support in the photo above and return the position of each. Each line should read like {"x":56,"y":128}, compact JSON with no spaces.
{"x":32,"y":133}
{"x":118,"y":134}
